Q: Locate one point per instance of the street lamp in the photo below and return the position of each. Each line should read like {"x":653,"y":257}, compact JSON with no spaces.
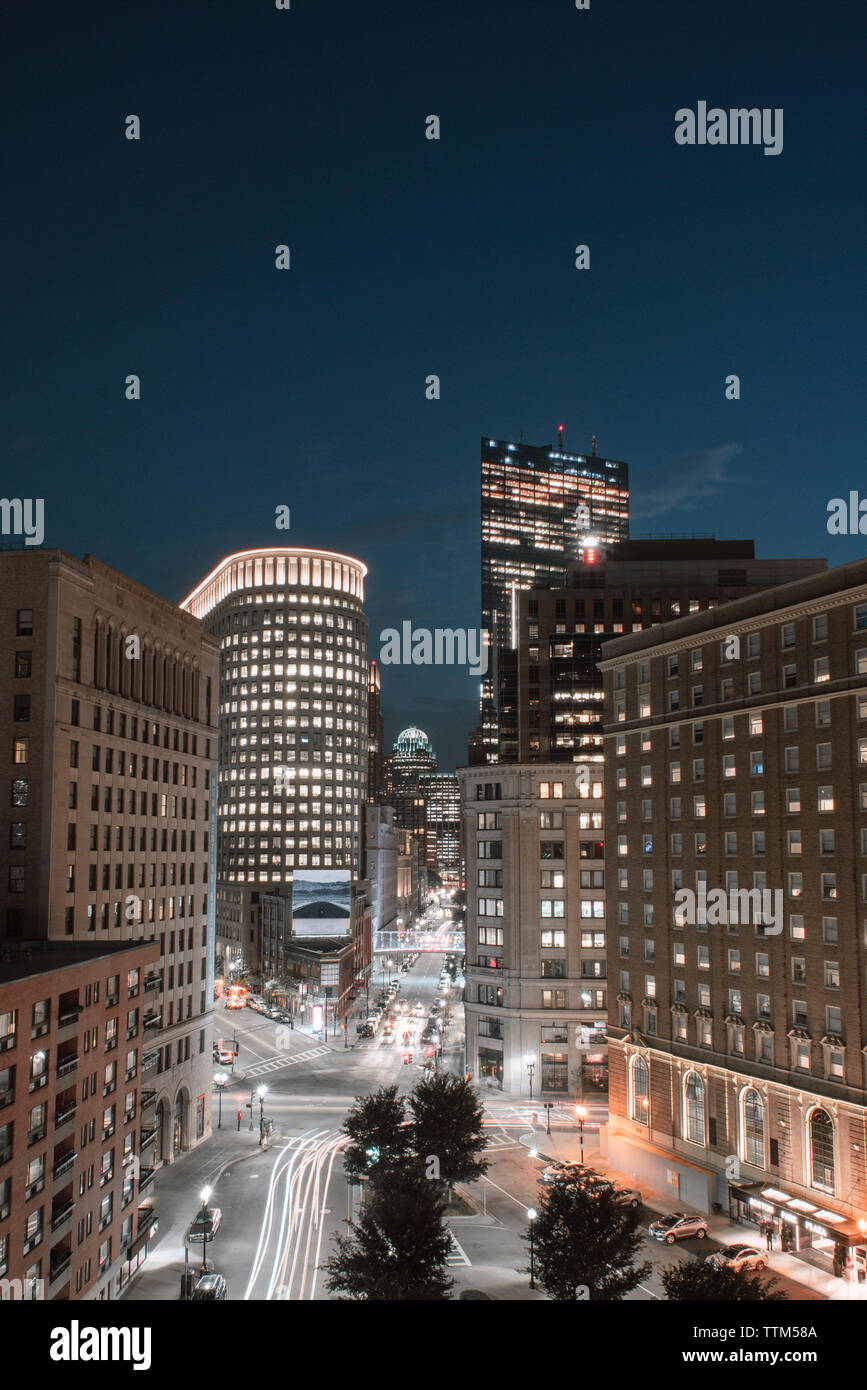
{"x":260,"y":1092}
{"x":581,"y":1112}
{"x":220,"y":1081}
{"x":530,"y":1063}
{"x":532,"y":1214}
{"x":205,"y":1196}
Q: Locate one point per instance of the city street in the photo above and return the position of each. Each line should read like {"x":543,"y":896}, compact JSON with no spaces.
{"x":280,"y":1207}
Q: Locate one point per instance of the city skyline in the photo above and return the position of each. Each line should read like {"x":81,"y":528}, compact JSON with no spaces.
{"x":305,"y":388}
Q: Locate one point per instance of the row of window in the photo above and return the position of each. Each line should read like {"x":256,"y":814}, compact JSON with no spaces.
{"x":755,"y":1146}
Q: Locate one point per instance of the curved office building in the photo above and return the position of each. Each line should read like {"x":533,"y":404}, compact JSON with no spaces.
{"x":293,"y":711}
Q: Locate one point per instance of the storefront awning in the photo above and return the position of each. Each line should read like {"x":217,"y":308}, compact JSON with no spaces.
{"x":819,"y":1218}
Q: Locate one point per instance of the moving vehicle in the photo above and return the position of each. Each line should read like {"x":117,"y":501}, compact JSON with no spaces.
{"x":206,"y":1225}
{"x":223,"y":1057}
{"x":737,"y":1257}
{"x":678,"y":1226}
{"x":211,"y":1287}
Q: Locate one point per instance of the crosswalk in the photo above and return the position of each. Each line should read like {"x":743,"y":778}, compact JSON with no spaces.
{"x":277,"y":1063}
{"x":526,"y":1114}
{"x":458,"y":1259}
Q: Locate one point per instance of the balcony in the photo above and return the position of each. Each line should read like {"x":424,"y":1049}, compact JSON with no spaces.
{"x":64,"y":1115}
{"x":69,"y":1014}
{"x":62,"y":1215}
{"x":60,"y":1262}
{"x":64,"y":1164}
{"x":152,"y":982}
{"x":147,"y":1098}
{"x":146,"y":1175}
{"x":147,"y":1136}
{"x":152,"y":1020}
{"x":149,"y":1061}
{"x":146,"y":1218}
{"x":67,"y":1065}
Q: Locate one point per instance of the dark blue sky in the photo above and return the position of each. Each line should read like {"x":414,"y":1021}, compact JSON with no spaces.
{"x":411,"y":257}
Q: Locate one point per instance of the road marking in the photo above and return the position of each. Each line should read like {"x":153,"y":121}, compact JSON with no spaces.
{"x":278,"y":1063}
{"x":458,"y":1258}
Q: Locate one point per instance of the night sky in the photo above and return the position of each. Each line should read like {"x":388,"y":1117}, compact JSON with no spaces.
{"x":306,"y":387}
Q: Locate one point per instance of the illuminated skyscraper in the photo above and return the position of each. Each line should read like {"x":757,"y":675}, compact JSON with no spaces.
{"x":293,"y":719}
{"x":541,"y":507}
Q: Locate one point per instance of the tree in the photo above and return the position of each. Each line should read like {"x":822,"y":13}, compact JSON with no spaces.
{"x":698,"y":1281}
{"x":378,"y":1132}
{"x":584,"y":1237}
{"x":397,"y":1250}
{"x":447,"y":1125}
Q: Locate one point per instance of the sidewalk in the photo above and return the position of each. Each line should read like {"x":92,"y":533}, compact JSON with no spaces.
{"x":562,"y":1146}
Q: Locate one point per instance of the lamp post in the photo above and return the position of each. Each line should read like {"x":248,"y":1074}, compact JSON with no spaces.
{"x":530,"y":1063}
{"x":260,"y":1092}
{"x":205,"y":1196}
{"x":220,"y":1081}
{"x":532,"y":1214}
{"x":581,"y":1112}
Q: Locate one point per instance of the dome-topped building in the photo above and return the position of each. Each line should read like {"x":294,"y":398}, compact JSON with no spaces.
{"x":413,"y":741}
{"x":411,"y":755}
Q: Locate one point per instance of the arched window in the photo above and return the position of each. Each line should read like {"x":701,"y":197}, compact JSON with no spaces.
{"x":693,"y":1109}
{"x":639,"y":1103}
{"x":822,"y":1150}
{"x":753,"y":1129}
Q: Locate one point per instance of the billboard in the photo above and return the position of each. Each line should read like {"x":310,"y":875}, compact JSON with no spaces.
{"x":322,"y":902}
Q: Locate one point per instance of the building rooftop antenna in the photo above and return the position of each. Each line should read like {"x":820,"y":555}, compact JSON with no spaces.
{"x":593,"y":444}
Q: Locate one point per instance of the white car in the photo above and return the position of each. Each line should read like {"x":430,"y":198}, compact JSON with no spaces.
{"x":678,"y":1226}
{"x":224,"y":1057}
{"x":737,"y":1257}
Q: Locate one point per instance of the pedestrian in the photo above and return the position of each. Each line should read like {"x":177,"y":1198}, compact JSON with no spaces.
{"x":769,"y":1235}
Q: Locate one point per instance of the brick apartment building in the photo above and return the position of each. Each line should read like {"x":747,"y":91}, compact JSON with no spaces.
{"x":76,"y":1117}
{"x":108,"y":729}
{"x":736,"y":759}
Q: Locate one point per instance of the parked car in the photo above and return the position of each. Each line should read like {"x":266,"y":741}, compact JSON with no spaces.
{"x":563,"y":1171}
{"x":210,"y":1287}
{"x":678,"y":1226}
{"x":206,"y":1224}
{"x":737,"y":1257}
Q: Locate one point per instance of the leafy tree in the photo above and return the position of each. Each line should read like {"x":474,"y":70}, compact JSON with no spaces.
{"x":397,"y":1251}
{"x":698,"y":1281}
{"x":378,"y":1132}
{"x":447,"y":1124}
{"x":584,"y":1237}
